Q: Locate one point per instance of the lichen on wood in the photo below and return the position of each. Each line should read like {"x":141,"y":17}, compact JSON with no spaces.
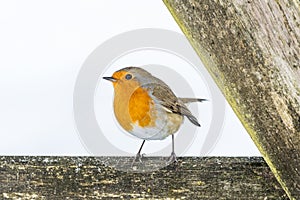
{"x":88,"y":178}
{"x":252,"y":50}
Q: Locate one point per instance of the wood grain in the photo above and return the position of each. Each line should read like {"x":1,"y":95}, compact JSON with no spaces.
{"x":88,"y":178}
{"x":252,"y":51}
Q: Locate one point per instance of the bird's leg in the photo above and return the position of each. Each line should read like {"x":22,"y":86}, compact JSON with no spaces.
{"x":138,"y":155}
{"x":172,"y":158}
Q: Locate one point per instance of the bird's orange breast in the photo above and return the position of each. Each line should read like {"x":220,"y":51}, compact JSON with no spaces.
{"x":132,"y":104}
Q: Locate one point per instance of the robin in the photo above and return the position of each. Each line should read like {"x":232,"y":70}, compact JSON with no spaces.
{"x":147,"y":108}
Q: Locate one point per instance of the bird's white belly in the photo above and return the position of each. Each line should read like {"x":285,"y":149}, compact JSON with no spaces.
{"x":165,"y":125}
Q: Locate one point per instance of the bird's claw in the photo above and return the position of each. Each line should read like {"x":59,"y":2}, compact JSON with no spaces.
{"x":172,"y":158}
{"x":138,"y":157}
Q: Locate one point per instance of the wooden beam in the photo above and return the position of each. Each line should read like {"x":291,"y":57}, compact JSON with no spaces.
{"x":252,"y":50}
{"x":89,"y":178}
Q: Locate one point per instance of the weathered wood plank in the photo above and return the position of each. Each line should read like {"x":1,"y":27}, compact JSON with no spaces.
{"x":252,"y":50}
{"x":88,"y":178}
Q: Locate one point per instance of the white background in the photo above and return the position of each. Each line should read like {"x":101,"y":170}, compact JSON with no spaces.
{"x":43,"y":45}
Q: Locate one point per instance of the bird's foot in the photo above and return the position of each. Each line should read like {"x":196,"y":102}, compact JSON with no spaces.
{"x":138,"y":158}
{"x":172,"y":158}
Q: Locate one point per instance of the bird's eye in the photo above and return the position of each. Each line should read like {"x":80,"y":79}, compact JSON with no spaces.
{"x":128,"y":76}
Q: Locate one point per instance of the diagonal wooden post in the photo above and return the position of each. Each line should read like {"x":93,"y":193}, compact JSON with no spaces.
{"x":252,"y":50}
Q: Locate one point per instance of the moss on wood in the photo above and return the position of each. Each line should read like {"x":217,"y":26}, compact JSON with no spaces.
{"x":252,"y":50}
{"x":88,"y":178}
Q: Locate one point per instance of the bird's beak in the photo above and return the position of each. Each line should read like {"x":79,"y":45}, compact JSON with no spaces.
{"x":112,"y":79}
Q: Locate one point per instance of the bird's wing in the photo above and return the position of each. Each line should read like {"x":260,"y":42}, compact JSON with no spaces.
{"x":191,"y":100}
{"x":170,"y":102}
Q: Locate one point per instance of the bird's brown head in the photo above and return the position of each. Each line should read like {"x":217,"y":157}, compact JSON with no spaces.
{"x":129,"y":77}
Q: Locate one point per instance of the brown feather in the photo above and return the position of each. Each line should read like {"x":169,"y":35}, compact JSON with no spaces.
{"x":167,"y":99}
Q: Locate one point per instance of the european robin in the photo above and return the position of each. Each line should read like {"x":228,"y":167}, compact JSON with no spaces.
{"x":147,"y":108}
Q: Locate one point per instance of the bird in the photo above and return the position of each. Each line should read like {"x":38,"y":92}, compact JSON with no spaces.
{"x":147,"y":108}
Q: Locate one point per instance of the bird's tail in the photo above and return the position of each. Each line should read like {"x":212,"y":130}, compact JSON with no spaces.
{"x":191,"y":100}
